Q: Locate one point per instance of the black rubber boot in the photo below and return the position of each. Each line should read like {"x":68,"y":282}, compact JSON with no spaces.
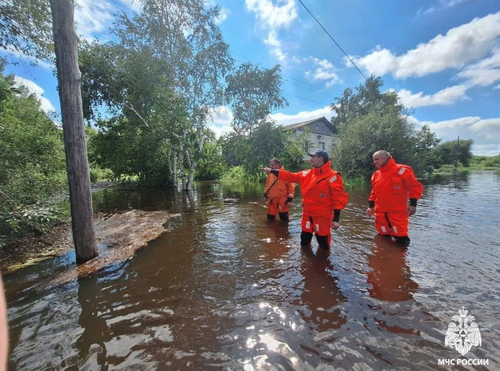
{"x":323,"y":242}
{"x":305,"y":238}
{"x":284,"y":217}
{"x":402,"y":240}
{"x":270,"y":217}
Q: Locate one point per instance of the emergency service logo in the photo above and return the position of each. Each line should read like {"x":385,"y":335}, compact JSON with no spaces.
{"x":462,"y":334}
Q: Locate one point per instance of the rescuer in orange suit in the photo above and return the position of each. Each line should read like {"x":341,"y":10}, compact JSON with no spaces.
{"x":393,"y":185}
{"x":278,"y":193}
{"x":323,"y":198}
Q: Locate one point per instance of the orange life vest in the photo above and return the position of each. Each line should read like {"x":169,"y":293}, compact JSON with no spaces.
{"x":392,"y":185}
{"x":276,"y":188}
{"x":322,"y":190}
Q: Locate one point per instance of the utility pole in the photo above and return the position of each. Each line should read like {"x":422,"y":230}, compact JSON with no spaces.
{"x":75,"y":146}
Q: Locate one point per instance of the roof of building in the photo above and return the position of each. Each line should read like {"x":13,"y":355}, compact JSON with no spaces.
{"x":305,"y":123}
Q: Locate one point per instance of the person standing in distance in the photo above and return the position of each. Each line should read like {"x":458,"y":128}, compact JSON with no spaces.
{"x":394,"y":196}
{"x":323,"y":198}
{"x":278,"y":193}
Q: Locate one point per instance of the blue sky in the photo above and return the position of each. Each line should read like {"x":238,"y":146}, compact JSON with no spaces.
{"x":441,"y":56}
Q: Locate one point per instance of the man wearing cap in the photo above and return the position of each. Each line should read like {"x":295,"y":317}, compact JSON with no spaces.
{"x":278,"y":193}
{"x":323,"y":198}
{"x":394,"y":196}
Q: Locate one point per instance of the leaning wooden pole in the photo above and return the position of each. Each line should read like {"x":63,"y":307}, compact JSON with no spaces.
{"x":70,"y":95}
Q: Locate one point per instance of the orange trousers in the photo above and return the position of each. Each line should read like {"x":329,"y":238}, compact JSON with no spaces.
{"x":275,"y":205}
{"x":392,"y":224}
{"x":318,"y":225}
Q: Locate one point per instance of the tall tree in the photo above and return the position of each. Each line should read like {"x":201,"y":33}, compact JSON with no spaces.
{"x":454,"y":151}
{"x":425,"y":143}
{"x":184,"y":33}
{"x":253,"y":94}
{"x":365,"y":98}
{"x":366,"y":134}
{"x":68,"y":76}
{"x":132,"y":83}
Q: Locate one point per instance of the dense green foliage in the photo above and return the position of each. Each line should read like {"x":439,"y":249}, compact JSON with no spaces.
{"x":454,"y":152}
{"x":363,"y":100}
{"x":360,"y":138}
{"x":485,"y":161}
{"x":212,"y":164}
{"x":32,"y":163}
{"x":369,"y":120}
{"x":149,"y":95}
{"x":267,"y":141}
{"x":253,"y":93}
{"x":26,"y":26}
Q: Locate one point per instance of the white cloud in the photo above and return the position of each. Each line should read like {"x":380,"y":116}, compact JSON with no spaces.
{"x":484,"y":132}
{"x":483,"y":73}
{"x":444,"y":4}
{"x":93,"y":18}
{"x":441,"y":98}
{"x":451,"y":3}
{"x":36,"y":90}
{"x":460,"y":46}
{"x":324,"y":71}
{"x":222,"y":117}
{"x":285,"y":119}
{"x":133,"y":5}
{"x":272,"y":40}
{"x":27,"y":59}
{"x":273,"y":16}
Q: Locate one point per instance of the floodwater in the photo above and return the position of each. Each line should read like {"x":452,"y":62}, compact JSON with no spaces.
{"x":224,"y":289}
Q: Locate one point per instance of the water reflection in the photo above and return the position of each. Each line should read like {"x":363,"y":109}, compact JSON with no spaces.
{"x":321,"y":296}
{"x":95,"y":328}
{"x":389,"y":274}
{"x":225,"y":289}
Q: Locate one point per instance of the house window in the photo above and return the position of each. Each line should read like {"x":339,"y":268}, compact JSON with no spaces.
{"x":321,"y":145}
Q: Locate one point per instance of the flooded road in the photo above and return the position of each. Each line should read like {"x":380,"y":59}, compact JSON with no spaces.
{"x":225,"y":289}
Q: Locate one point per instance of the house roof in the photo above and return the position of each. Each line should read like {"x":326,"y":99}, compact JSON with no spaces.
{"x":305,"y":123}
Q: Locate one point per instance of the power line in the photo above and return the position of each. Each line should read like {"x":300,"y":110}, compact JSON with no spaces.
{"x":310,"y":100}
{"x":354,"y":64}
{"x":314,"y":88}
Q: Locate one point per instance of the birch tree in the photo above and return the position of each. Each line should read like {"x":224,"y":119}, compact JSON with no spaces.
{"x":184,"y":33}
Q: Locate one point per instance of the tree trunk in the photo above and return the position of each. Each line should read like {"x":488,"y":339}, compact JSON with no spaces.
{"x":181,"y":166}
{"x":70,"y":95}
{"x":189,"y":186}
{"x":174,"y":172}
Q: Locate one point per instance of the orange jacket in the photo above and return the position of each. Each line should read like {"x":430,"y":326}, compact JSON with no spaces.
{"x":276,"y":188}
{"x":392,"y":185}
{"x":322,"y":190}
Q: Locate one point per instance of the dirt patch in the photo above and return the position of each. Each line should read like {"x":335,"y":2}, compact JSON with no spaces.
{"x":118,"y":235}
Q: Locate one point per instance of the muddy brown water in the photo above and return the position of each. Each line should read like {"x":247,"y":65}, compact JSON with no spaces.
{"x":224,"y":289}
